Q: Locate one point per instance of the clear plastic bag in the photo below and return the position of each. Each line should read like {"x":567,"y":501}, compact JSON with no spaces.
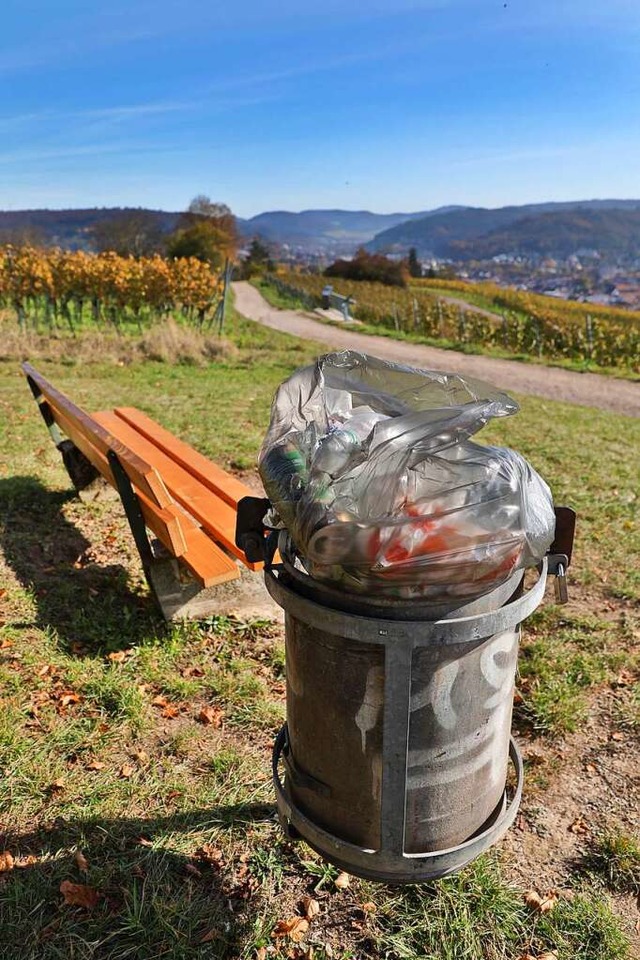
{"x":369,"y":466}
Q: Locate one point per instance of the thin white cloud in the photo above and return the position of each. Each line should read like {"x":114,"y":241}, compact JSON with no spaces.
{"x":414,"y":45}
{"x":87,"y":121}
{"x":135,"y":110}
{"x":118,"y":112}
{"x":589,"y":150}
{"x":78,"y":41}
{"x":84,"y":150}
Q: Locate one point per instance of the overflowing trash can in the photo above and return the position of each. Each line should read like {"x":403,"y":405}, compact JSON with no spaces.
{"x":402,"y":551}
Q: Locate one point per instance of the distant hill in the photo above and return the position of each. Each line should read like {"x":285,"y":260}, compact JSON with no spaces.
{"x":615,"y":234}
{"x":316,"y":230}
{"x":70,"y":229}
{"x":552,"y":229}
{"x":310,"y":230}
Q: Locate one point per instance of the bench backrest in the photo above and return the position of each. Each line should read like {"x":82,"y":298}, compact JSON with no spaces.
{"x":341,"y":303}
{"x":91,"y":438}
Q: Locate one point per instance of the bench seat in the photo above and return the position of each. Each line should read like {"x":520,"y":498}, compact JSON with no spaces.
{"x":185,"y":500}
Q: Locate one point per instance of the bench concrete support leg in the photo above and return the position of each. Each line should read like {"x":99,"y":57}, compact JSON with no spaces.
{"x":178,"y":595}
{"x":89,"y":484}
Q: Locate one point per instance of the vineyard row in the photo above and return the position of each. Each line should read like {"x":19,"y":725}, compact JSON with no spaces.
{"x":542,"y":333}
{"x":70,"y":286}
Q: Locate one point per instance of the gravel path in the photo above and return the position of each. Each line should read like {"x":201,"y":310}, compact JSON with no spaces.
{"x":588,"y":389}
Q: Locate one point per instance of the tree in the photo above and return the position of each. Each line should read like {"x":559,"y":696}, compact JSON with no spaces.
{"x":134,"y":233}
{"x":370,"y":266}
{"x":24,"y":237}
{"x":414,"y":265}
{"x":203,"y":206}
{"x":207,"y":231}
{"x":258,"y":259}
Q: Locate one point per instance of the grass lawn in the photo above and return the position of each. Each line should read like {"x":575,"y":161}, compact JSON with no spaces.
{"x":132,"y":826}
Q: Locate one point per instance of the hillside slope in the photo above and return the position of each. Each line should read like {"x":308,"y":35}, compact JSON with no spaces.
{"x":555,"y":229}
{"x":71,"y":229}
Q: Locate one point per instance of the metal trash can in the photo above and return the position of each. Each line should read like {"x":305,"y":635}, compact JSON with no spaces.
{"x":326,"y":296}
{"x":397,"y":740}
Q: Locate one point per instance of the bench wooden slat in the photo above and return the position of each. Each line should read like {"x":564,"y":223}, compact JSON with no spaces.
{"x":178,"y":533}
{"x":215,"y":478}
{"x":207,"y":562}
{"x":217,"y":518}
{"x":163,"y":521}
{"x":144,"y":476}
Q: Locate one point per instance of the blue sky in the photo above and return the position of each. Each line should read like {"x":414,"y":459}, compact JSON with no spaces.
{"x":403,"y":105}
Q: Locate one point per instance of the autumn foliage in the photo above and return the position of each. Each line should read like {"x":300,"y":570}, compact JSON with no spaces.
{"x":62,"y":286}
{"x":371,"y":267}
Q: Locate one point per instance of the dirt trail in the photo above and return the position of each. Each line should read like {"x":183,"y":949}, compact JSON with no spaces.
{"x":465,"y":305}
{"x":588,"y":389}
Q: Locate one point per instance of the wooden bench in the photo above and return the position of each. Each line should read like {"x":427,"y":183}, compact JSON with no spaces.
{"x":332,"y":299}
{"x":187,"y":502}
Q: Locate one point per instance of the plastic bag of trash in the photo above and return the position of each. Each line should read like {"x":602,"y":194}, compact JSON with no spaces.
{"x":370,"y":467}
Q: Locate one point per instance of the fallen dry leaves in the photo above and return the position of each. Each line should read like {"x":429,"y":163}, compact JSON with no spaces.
{"x":211,"y":716}
{"x":126,"y":770}
{"x":67,"y":697}
{"x":81,"y":862}
{"x":192,"y":672}
{"x":79,"y":895}
{"x":95,"y":765}
{"x":310,"y":908}
{"x":213,"y":856}
{"x":625,"y":679}
{"x":6,"y":861}
{"x":209,"y":936}
{"x":538,"y":903}
{"x":547,"y":955}
{"x":579,"y":826}
{"x":342,"y":881}
{"x":295,"y":929}
{"x":118,"y":656}
{"x":168,"y":709}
